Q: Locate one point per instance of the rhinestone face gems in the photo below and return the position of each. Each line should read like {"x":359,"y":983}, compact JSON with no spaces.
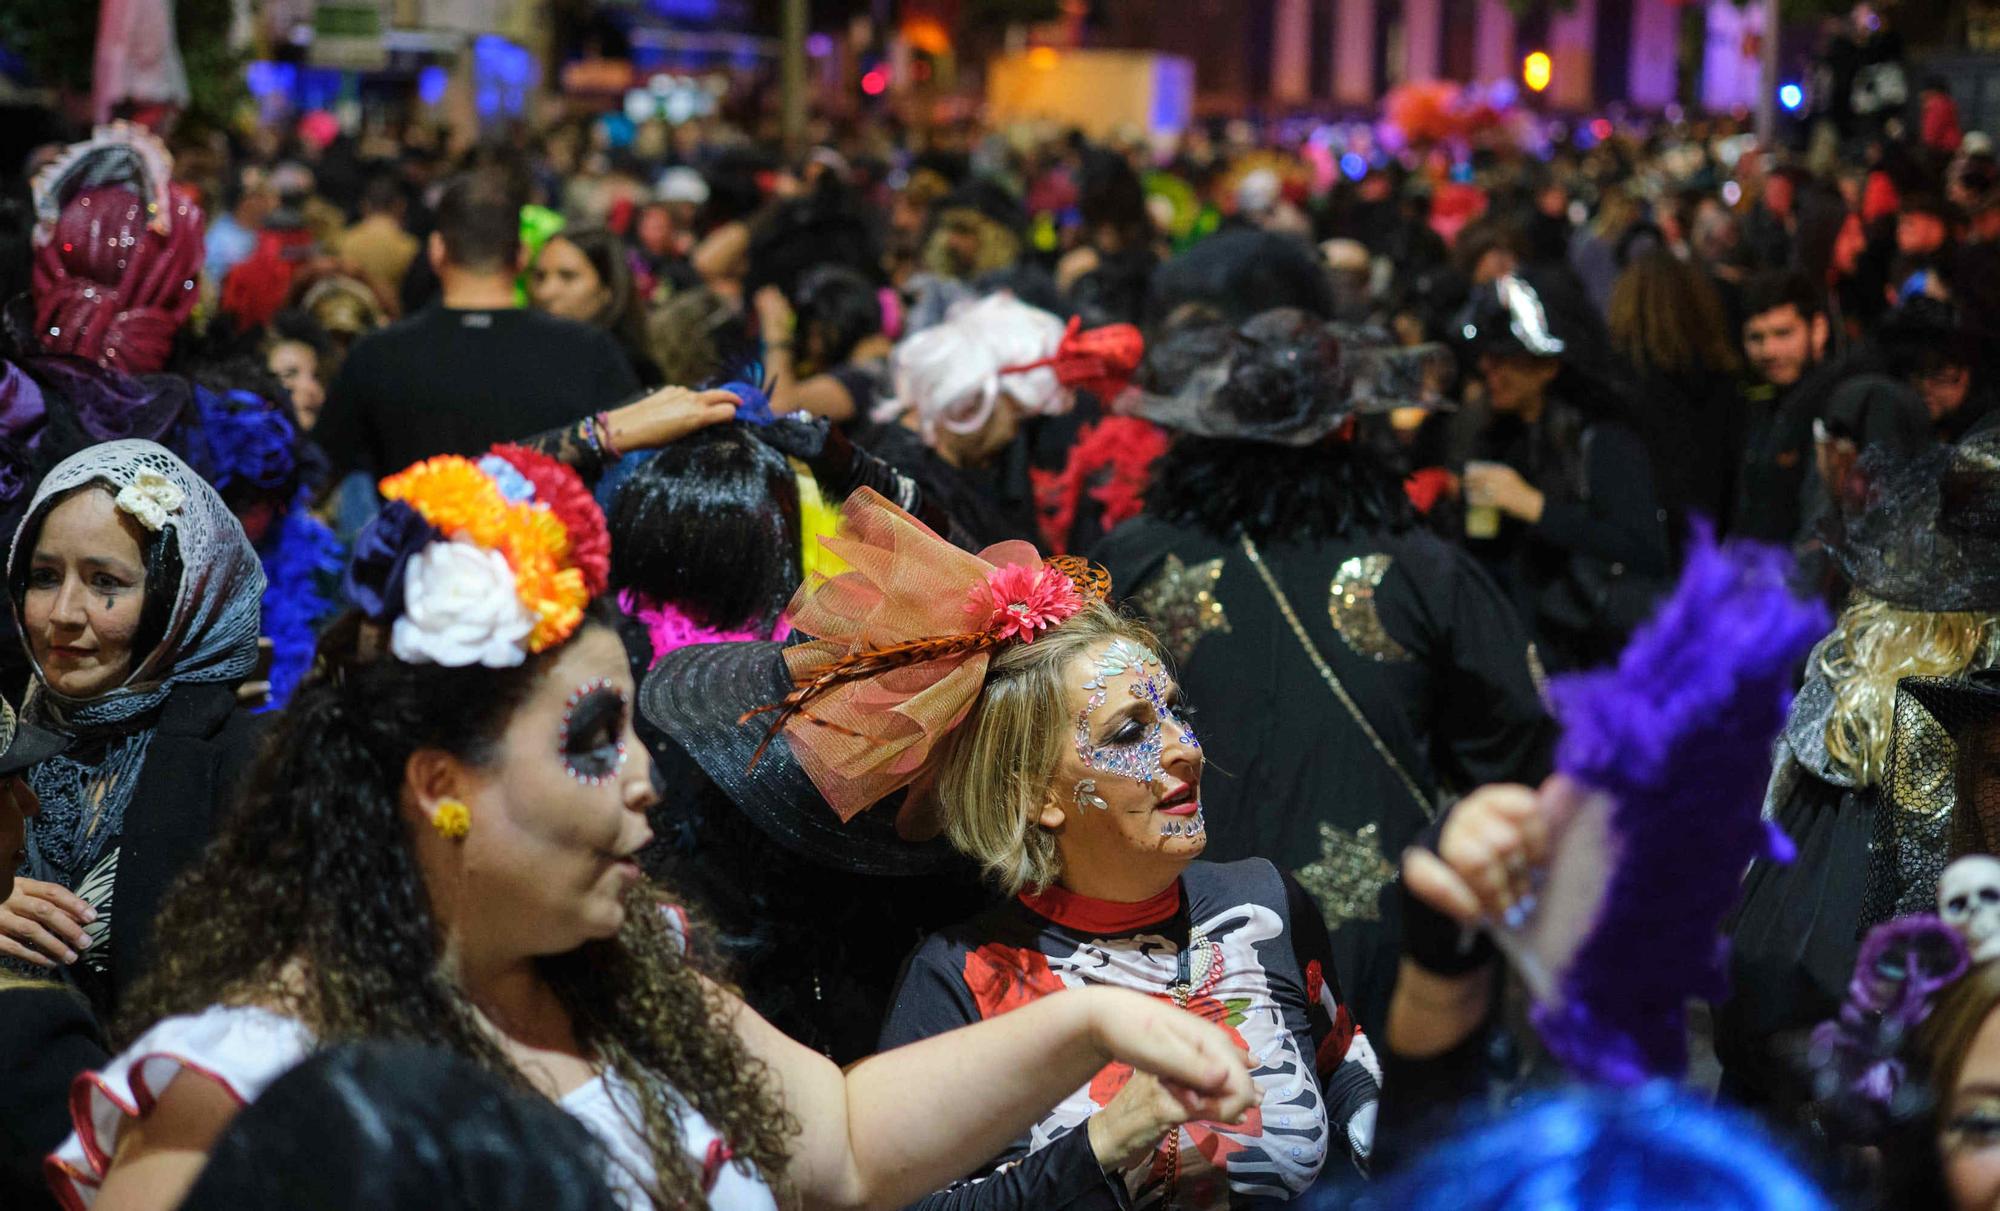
{"x":592,"y":744}
{"x":1127,"y":756}
{"x":1087,"y":796}
{"x":1191,"y":826}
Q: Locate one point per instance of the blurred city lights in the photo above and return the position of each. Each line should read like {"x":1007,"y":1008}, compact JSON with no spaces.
{"x":431,"y":84}
{"x":875,"y":82}
{"x":1535,"y":71}
{"x":1791,"y":96}
{"x":1354,"y":165}
{"x":1044,"y":58}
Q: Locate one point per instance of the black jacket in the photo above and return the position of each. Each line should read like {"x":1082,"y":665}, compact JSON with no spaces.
{"x":1591,"y":568}
{"x":204,"y":743}
{"x":47,"y":1037}
{"x":1426,"y":647}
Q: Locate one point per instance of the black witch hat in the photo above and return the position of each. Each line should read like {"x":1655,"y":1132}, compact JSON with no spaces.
{"x":1923,"y":532}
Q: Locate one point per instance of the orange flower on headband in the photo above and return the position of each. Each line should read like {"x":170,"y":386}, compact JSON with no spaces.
{"x":463,"y":502}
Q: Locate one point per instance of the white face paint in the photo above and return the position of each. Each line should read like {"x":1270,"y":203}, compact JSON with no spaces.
{"x":1969,"y":902}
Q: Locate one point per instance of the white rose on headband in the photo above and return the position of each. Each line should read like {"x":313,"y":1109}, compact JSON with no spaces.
{"x":150,"y":499}
{"x":459,"y":609}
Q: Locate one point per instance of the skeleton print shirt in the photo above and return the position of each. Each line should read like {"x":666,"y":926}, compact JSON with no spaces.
{"x":1253,"y":955}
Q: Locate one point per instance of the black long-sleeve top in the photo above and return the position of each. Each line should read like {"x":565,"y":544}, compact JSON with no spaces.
{"x":1266,"y":977}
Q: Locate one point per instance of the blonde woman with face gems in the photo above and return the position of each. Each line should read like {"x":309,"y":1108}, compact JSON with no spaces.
{"x":1047,"y":740}
{"x":438,"y":846}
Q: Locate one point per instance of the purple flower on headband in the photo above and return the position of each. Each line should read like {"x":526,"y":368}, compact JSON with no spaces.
{"x":251,"y":441}
{"x":374,"y":580}
{"x":23,"y":412}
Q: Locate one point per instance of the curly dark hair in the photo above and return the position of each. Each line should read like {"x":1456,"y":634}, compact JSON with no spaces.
{"x":311,"y":897}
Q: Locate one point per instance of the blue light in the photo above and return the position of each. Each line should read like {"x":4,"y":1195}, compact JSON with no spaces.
{"x":1791,"y":96}
{"x":1354,"y":165}
{"x":502,"y":74}
{"x":265,"y":78}
{"x":431,"y":83}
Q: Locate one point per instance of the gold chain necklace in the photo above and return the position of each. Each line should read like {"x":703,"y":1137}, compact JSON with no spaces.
{"x":1424,"y":804}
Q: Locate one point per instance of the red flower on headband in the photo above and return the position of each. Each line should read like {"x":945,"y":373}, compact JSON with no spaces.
{"x":1019,"y":599}
{"x":560,"y":488}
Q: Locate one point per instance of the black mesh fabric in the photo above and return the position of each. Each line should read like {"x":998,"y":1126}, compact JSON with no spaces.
{"x":1940,"y":794}
{"x":1924,"y":532}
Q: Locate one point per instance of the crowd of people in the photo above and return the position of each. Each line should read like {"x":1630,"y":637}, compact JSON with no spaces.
{"x":627,"y":668}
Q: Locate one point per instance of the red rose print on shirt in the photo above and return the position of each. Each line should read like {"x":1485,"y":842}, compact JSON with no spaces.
{"x":1006,"y":977}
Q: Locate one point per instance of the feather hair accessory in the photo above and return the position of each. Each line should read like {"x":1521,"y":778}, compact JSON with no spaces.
{"x":1664,"y":760}
{"x":900,"y":645}
{"x":1860,"y":1080}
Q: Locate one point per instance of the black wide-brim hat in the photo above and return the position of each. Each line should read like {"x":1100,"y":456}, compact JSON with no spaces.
{"x":1923,"y":532}
{"x":1369,"y":375}
{"x":698,"y":696}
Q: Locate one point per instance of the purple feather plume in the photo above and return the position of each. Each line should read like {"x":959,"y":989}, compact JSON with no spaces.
{"x":1680,"y":735}
{"x":1856,"y":1057}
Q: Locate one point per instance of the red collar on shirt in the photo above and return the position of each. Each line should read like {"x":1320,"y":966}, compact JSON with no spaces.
{"x":1092,"y":916}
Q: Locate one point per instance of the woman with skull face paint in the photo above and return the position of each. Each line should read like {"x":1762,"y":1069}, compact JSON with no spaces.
{"x":438,"y":845}
{"x":1043,"y":736}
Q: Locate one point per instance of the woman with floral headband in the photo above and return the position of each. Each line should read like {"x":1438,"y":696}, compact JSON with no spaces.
{"x":437,"y":845}
{"x":137,"y":598}
{"x":1042,"y":735}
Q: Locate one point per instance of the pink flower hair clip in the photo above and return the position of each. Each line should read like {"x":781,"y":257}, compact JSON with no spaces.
{"x":1017,"y":600}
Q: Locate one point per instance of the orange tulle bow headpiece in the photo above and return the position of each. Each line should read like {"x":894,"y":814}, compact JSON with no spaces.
{"x":1098,"y":360}
{"x":902,"y":641}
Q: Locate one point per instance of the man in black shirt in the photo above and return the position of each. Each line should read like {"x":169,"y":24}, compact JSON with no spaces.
{"x":474,"y":368}
{"x":1785,"y":332}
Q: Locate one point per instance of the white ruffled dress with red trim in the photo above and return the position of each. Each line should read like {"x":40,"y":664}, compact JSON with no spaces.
{"x":244,"y":1049}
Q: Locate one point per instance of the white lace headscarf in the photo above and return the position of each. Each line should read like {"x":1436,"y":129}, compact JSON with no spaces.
{"x":210,"y":636}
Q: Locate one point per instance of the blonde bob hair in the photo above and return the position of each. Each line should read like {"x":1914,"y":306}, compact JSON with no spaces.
{"x":994,"y":769}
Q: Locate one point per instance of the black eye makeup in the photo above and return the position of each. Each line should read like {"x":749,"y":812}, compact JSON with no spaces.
{"x":593,"y":732}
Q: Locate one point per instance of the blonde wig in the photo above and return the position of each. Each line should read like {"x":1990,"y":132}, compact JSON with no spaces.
{"x":1873,"y":646}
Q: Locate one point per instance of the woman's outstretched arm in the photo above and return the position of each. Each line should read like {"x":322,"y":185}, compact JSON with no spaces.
{"x":901,"y":1124}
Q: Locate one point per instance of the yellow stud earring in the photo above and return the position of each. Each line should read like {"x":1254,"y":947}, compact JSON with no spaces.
{"x":452,"y":819}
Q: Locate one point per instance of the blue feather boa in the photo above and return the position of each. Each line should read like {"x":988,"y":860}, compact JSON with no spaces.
{"x":302,"y":560}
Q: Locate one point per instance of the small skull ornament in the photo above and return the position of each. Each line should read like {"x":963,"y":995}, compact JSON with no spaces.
{"x":1969,"y":902}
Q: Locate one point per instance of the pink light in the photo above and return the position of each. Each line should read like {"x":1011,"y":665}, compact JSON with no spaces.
{"x":875,"y":82}
{"x":1601,"y":128}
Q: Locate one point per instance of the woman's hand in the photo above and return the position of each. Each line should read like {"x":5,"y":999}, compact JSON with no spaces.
{"x":1492,"y":844}
{"x":43,"y":923}
{"x":1195,"y":1060}
{"x":666,"y":416}
{"x":1131,"y":1125}
{"x":1500,"y":486}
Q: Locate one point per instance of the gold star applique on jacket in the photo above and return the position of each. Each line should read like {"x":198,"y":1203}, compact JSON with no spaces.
{"x":1180,"y":602}
{"x":1349,"y":876}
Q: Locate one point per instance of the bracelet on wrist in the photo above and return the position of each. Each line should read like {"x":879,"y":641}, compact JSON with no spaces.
{"x":602,"y":421}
